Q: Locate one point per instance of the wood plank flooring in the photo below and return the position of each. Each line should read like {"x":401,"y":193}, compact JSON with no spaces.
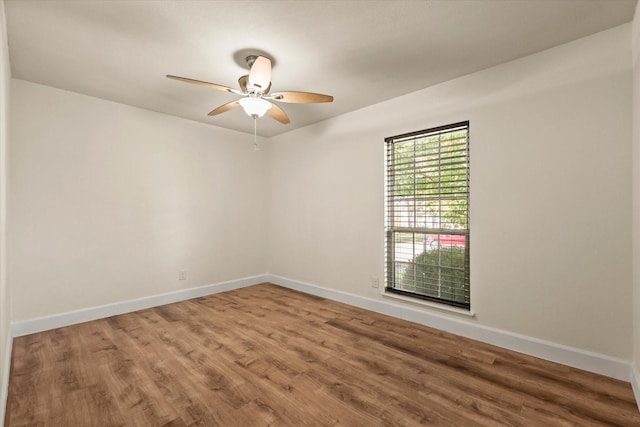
{"x":269,"y":356}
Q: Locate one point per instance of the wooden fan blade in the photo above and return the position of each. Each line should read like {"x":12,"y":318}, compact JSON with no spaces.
{"x":260,"y":73}
{"x":226,"y":107}
{"x":201,"y":83}
{"x":278,"y":113}
{"x":301,"y":97}
{"x":242,"y":82}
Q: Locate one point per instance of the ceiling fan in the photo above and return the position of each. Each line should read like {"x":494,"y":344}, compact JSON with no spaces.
{"x":254,"y":89}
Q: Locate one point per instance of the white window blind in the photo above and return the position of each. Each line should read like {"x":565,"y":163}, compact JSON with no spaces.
{"x":427,"y":214}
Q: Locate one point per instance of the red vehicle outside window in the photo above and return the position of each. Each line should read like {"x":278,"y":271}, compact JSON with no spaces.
{"x":446,"y":240}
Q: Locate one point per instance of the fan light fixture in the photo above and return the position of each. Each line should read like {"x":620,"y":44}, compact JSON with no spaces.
{"x":255,"y":107}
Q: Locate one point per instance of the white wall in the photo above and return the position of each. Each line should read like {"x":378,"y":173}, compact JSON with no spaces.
{"x":550,"y":182}
{"x":636,"y":191}
{"x":5,"y":309}
{"x":108,"y":202}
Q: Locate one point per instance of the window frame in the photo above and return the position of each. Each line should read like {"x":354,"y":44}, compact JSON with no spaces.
{"x":392,"y":229}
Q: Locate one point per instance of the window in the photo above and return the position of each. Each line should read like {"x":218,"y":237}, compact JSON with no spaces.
{"x":427,"y":214}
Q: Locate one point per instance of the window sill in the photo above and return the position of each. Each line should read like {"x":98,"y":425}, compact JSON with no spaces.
{"x":428,"y":304}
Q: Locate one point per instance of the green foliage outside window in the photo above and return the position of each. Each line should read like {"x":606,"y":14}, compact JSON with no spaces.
{"x":443,"y":266}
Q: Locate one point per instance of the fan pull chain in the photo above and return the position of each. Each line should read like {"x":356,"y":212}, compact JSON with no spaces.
{"x":255,"y":131}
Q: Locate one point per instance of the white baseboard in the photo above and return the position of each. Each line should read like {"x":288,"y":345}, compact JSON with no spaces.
{"x":635,"y":383}
{"x":574,"y":357}
{"x":6,"y":369}
{"x":26,"y":327}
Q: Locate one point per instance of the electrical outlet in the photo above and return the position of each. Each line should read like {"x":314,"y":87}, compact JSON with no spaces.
{"x":375,"y":282}
{"x":182,"y":275}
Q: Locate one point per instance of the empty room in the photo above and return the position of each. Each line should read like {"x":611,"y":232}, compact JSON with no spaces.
{"x":319,"y":213}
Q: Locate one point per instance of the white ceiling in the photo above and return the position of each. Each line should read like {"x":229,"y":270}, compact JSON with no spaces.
{"x":361,"y":52}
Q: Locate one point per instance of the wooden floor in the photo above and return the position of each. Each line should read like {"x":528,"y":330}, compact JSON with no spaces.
{"x":269,"y":356}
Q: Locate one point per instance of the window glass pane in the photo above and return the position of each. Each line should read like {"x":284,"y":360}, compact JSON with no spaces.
{"x":427,"y":195}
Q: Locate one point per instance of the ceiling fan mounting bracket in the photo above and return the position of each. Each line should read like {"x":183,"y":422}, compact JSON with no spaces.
{"x":252,"y":58}
{"x":240,"y":56}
